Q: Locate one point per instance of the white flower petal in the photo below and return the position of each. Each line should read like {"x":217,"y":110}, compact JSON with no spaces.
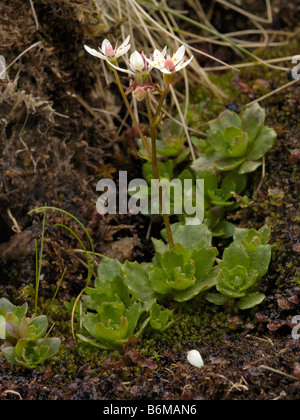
{"x":119,"y":68}
{"x":195,"y":359}
{"x":179,"y":55}
{"x":95,"y":53}
{"x":164,"y":51}
{"x":126,"y":42}
{"x":183,"y":65}
{"x":161,"y":55}
{"x":150,"y":62}
{"x":157,"y":52}
{"x":136,"y":62}
{"x":123,"y":48}
{"x":159,"y":59}
{"x":165,"y":71}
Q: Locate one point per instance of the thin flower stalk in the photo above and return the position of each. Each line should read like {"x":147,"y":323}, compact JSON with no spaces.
{"x":136,"y":124}
{"x":155,"y":169}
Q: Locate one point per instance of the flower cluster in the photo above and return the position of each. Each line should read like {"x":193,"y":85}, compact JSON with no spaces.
{"x":140,"y":66}
{"x":107,"y":52}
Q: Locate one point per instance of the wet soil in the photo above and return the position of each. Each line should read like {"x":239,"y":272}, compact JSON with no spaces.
{"x":54,"y":148}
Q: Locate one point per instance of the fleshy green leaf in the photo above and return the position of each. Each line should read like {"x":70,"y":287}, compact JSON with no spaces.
{"x":94,"y":343}
{"x":121,"y":290}
{"x":169,"y":147}
{"x":265,"y":233}
{"x":111,"y":313}
{"x":206,"y":162}
{"x":38,"y":327}
{"x":229,"y":164}
{"x":98,"y":296}
{"x":169,"y":261}
{"x":211,"y":180}
{"x":249,"y":166}
{"x":235,"y":255}
{"x":183,"y":280}
{"x":137,"y":281}
{"x":216,"y":298}
{"x":29,"y":353}
{"x":25,"y":332}
{"x":160,"y":318}
{"x":260,"y":259}
{"x":133,"y":316}
{"x":9,"y":354}
{"x":219,"y":143}
{"x":158,"y":281}
{"x":251,"y":300}
{"x":108,"y":269}
{"x":90,"y":321}
{"x":199,"y":287}
{"x":204,"y":259}
{"x":240,"y":182}
{"x":52,"y":343}
{"x":262,"y":144}
{"x":223,"y":229}
{"x":251,"y":238}
{"x":115,"y":336}
{"x":237,"y":142}
{"x":7,"y":307}
{"x":160,"y":246}
{"x":224,"y":120}
{"x":253,"y":120}
{"x":192,"y":237}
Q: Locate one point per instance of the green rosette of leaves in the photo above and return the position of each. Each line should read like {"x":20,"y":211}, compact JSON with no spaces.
{"x":11,"y":313}
{"x":112,"y":325}
{"x":238,"y":143}
{"x":178,"y":274}
{"x":112,"y":315}
{"x":24,"y":343}
{"x":219,"y":198}
{"x":244,"y":264}
{"x":30,"y":353}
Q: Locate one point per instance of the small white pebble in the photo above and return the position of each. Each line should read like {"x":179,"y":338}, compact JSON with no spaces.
{"x":195,"y":359}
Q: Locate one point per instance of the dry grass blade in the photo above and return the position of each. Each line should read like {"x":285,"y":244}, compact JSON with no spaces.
{"x":274,"y":92}
{"x":10,"y":391}
{"x":196,"y":24}
{"x":250,"y":15}
{"x":34,"y":14}
{"x":279,"y":372}
{"x":243,"y":65}
{"x":184,"y":125}
{"x":36,"y":44}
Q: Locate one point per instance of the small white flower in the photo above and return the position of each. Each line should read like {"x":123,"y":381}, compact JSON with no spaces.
{"x":195,"y":359}
{"x":170,"y":64}
{"x":138,"y":64}
{"x":107,"y":52}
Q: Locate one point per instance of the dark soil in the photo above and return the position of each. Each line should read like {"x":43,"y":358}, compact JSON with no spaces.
{"x":54,"y":148}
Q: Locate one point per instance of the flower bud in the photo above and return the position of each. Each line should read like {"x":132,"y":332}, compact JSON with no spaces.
{"x":140,"y":94}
